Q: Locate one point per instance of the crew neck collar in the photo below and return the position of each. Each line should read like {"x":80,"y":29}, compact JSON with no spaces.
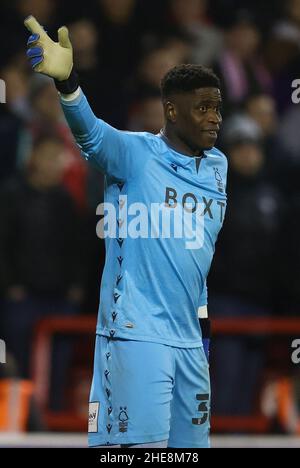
{"x":170,"y":145}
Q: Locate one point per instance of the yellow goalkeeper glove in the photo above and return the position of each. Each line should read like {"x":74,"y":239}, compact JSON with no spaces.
{"x":54,"y":59}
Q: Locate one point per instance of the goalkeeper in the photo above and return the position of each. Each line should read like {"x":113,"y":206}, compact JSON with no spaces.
{"x":151,"y":379}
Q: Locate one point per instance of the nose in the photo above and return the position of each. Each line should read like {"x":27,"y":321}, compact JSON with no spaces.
{"x":214,"y":117}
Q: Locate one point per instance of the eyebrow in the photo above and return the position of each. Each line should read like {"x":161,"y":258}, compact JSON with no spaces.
{"x":209,"y":101}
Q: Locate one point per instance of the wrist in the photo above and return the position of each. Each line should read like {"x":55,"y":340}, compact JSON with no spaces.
{"x":68,"y":86}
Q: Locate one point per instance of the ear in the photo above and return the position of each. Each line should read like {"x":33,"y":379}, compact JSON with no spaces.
{"x":171,"y":113}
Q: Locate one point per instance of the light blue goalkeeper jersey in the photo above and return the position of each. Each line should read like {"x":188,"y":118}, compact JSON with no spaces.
{"x":167,"y":211}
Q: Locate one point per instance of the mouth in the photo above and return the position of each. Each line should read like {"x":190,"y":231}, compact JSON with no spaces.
{"x":211,"y":132}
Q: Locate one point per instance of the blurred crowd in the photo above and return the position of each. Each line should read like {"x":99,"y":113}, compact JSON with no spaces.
{"x":50,"y":257}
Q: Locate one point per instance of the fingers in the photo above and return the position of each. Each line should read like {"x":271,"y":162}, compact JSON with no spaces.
{"x":35,"y":54}
{"x":36,"y":61}
{"x":33,"y":25}
{"x":63,"y":37}
{"x":32,"y":39}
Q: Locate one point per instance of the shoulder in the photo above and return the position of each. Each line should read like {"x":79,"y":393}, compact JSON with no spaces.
{"x":216,"y":153}
{"x":217,"y":157}
{"x":146,"y":139}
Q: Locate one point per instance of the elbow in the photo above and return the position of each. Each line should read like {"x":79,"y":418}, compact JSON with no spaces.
{"x":91,"y":143}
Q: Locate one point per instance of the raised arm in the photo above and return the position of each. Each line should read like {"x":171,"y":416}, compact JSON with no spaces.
{"x":100,"y":143}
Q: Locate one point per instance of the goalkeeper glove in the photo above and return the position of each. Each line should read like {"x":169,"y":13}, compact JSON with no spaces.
{"x":54,"y":59}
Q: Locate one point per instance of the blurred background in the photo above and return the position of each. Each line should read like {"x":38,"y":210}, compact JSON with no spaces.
{"x":50,"y":258}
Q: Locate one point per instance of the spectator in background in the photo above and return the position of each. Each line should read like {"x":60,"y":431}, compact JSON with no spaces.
{"x":11,"y":24}
{"x":17,"y":88}
{"x":240,"y":67}
{"x":290,"y":258}
{"x":44,"y":9}
{"x":190,"y":17}
{"x":261,"y":108}
{"x":282,"y":54}
{"x":148,"y":115}
{"x":221,"y":11}
{"x":120,"y":32}
{"x":118,"y":11}
{"x":95,"y":75}
{"x":257,"y":223}
{"x":244,"y":280}
{"x":85,"y":42}
{"x":154,"y":64}
{"x":41,"y":265}
{"x":158,"y":58}
{"x":47,"y":114}
{"x":288,"y":137}
{"x":10,"y":127}
{"x":293,"y":10}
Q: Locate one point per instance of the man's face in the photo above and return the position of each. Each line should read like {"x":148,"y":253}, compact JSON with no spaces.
{"x":196,"y":117}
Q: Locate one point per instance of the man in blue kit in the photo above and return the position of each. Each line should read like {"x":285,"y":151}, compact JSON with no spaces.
{"x":151,"y":378}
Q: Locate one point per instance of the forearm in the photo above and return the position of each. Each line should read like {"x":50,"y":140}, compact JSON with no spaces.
{"x":83,"y":123}
{"x":101,"y":144}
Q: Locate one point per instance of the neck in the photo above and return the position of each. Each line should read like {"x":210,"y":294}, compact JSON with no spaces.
{"x":179,"y":144}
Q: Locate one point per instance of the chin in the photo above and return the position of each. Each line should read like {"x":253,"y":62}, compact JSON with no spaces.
{"x":208,"y":145}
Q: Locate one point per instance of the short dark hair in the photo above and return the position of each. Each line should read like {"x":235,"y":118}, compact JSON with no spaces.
{"x":187,"y":77}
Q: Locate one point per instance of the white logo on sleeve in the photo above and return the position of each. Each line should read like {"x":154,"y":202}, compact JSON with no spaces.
{"x":93,"y":416}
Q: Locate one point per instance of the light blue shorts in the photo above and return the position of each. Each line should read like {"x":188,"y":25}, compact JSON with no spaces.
{"x":147,"y":392}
